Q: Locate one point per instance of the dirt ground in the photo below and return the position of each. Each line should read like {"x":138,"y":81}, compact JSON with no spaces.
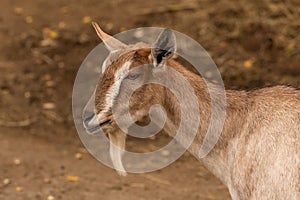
{"x":254,"y":44}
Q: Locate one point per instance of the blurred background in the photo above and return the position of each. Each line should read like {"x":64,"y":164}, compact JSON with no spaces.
{"x":254,"y":44}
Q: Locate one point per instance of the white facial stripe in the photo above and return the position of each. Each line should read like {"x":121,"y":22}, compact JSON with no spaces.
{"x":102,"y":113}
{"x":119,"y":76}
{"x":104,"y":65}
{"x":108,"y":61}
{"x":113,"y":92}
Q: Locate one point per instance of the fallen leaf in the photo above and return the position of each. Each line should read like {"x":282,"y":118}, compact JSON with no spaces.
{"x":72,"y":178}
{"x":61,"y":25}
{"x":109,"y":26}
{"x":138,"y":33}
{"x":165,"y":152}
{"x":50,"y":83}
{"x":83,"y":38}
{"x":46,"y":77}
{"x":48,"y":32}
{"x":6,"y":181}
{"x":50,"y":197}
{"x":249,"y":63}
{"x":48,"y":42}
{"x":61,"y":65}
{"x":17,"y":161}
{"x":47,"y":180}
{"x":29,"y":19}
{"x":290,"y":47}
{"x":19,"y":189}
{"x":53,"y":34}
{"x":49,"y":106}
{"x":18,"y":10}
{"x":78,"y":156}
{"x":208,"y":74}
{"x":27,"y":94}
{"x":86,"y":20}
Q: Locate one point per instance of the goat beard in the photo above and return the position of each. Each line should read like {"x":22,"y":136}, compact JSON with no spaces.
{"x":116,"y":150}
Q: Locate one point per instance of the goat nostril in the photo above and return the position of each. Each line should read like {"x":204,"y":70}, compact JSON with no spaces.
{"x":90,"y":123}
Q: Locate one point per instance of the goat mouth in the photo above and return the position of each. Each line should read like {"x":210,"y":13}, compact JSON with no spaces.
{"x":105,"y":123}
{"x":93,"y":125}
{"x":94,"y":129}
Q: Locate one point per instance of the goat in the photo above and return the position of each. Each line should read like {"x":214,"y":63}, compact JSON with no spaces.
{"x":257,"y":154}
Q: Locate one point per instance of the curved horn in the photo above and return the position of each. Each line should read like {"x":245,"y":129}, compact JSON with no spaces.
{"x":110,"y":42}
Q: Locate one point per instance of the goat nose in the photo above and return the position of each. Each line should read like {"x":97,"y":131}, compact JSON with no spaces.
{"x":90,"y":123}
{"x":88,"y":118}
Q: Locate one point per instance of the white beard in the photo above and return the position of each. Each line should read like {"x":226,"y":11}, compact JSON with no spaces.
{"x":116,"y":150}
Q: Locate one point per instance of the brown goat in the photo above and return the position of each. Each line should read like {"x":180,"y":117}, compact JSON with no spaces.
{"x":258,"y":153}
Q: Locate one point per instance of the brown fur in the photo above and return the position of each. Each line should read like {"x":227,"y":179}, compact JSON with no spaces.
{"x":257,"y":155}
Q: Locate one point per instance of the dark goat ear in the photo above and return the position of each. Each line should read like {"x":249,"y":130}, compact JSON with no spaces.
{"x":164,"y":47}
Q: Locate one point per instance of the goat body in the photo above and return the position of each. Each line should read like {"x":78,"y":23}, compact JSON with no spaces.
{"x":258,"y":150}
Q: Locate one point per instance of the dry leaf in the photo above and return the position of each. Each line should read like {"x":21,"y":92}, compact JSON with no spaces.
{"x":83,"y":38}
{"x":61,"y":25}
{"x":109,"y":26}
{"x":72,"y":178}
{"x":165,"y":152}
{"x":86,"y":20}
{"x":48,"y":42}
{"x":6,"y":181}
{"x":50,"y":197}
{"x":53,"y":34}
{"x":249,"y":63}
{"x":18,"y":10}
{"x":29,"y":19}
{"x":61,"y":65}
{"x":78,"y":156}
{"x":50,"y":33}
{"x":47,"y":180}
{"x":49,"y":106}
{"x":290,"y":47}
{"x":50,"y":83}
{"x":17,"y":161}
{"x":19,"y":189}
{"x":27,"y":94}
{"x":208,"y":74}
{"x":46,"y":77}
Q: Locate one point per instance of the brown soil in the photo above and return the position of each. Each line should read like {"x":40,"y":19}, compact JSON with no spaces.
{"x":254,"y":44}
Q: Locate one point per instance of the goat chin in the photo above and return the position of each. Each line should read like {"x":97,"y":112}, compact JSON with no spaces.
{"x":116,"y":150}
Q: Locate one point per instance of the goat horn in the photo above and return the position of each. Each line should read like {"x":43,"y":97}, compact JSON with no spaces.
{"x":110,"y":42}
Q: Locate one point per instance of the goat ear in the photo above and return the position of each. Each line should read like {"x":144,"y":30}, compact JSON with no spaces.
{"x":110,"y":42}
{"x":164,"y":47}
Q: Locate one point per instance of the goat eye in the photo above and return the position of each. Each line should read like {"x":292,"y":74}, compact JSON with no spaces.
{"x":132,"y":76}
